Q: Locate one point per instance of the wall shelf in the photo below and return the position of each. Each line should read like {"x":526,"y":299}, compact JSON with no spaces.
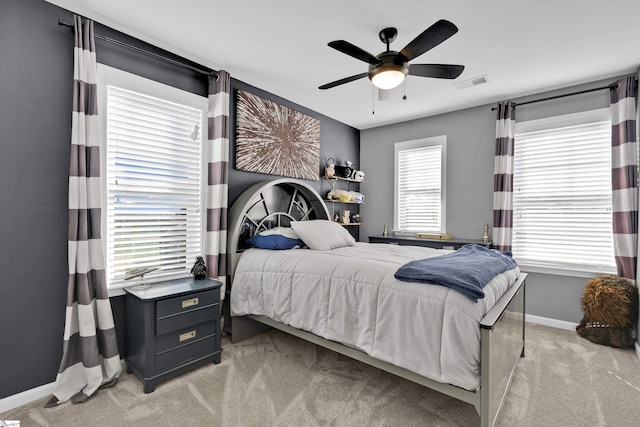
{"x":339,"y":201}
{"x":333,"y":180}
{"x":334,"y":203}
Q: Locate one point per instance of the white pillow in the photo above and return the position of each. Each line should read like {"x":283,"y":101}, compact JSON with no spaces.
{"x":322,"y":234}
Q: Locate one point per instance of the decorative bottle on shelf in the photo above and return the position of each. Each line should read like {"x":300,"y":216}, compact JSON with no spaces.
{"x":485,"y":235}
{"x":385,"y":232}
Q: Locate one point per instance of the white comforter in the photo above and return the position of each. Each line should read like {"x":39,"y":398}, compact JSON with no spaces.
{"x":349,"y":295}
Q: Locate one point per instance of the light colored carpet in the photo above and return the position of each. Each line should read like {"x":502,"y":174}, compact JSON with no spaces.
{"x":279,"y":380}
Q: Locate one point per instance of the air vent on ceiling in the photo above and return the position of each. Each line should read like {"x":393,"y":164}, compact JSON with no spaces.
{"x":474,"y":81}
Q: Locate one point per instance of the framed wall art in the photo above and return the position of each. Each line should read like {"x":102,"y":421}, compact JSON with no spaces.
{"x":276,"y":140}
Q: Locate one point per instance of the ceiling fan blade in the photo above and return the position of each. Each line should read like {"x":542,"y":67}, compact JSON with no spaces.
{"x":430,"y":38}
{"x":354,"y":51}
{"x":343,"y":81}
{"x":438,"y":71}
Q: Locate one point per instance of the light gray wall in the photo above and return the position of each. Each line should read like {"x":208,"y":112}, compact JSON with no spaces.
{"x":470,"y":155}
{"x":469,"y":170}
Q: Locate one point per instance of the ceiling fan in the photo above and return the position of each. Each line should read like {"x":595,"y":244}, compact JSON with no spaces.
{"x":388,"y":69}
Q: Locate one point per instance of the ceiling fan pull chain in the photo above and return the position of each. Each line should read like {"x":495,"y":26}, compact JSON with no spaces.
{"x":404,"y":88}
{"x":373,"y":100}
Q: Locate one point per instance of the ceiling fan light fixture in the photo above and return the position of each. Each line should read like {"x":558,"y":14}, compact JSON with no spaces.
{"x":388,"y":69}
{"x":388,"y":79}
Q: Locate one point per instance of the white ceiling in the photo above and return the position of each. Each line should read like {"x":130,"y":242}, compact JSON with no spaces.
{"x":280,"y":46}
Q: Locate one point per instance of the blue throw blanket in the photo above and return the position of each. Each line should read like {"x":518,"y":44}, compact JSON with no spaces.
{"x":466,"y":270}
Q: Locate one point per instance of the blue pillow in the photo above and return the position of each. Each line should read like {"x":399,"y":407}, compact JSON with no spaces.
{"x":273,"y":241}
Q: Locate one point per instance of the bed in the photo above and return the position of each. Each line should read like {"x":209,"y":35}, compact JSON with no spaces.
{"x":348,"y":300}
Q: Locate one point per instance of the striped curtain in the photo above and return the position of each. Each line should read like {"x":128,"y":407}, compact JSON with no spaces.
{"x":218,"y":174}
{"x":624,"y":166}
{"x":503,"y":176}
{"x":90,"y":357}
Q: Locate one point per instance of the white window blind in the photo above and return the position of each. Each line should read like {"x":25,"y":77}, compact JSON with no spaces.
{"x":154,"y":169}
{"x":419,"y":192}
{"x":562,"y":193}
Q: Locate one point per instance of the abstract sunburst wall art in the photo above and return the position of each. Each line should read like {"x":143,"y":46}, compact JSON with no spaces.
{"x":276,"y":140}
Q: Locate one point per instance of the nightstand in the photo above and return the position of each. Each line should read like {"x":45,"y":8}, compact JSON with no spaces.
{"x":454,"y":243}
{"x":171,"y":328}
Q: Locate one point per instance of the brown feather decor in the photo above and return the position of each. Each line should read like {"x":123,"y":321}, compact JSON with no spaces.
{"x":610,"y":305}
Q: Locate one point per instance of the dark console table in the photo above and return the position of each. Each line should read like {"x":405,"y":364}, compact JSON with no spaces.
{"x":454,"y":243}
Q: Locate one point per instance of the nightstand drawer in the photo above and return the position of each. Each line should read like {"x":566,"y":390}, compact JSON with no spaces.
{"x":186,"y":303}
{"x":187,"y":352}
{"x":185,"y":336}
{"x":184,"y":320}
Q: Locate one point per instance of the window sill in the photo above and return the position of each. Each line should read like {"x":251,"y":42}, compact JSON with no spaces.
{"x":561,"y":271}
{"x":118,"y":290}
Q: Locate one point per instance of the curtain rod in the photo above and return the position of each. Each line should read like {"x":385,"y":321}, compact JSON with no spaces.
{"x":611,"y":86}
{"x":146,"y":52}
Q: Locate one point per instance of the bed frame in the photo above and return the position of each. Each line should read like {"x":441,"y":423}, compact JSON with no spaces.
{"x":276,"y":203}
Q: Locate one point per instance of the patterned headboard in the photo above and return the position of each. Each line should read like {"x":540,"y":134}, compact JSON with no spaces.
{"x":266,"y":205}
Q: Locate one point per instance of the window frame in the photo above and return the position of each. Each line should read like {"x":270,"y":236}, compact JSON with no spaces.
{"x":440,"y":140}
{"x":547,"y":124}
{"x":107,"y":76}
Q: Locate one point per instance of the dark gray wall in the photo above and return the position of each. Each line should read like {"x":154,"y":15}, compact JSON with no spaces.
{"x":336,"y":140}
{"x":36,"y":81}
{"x":36,"y":69}
{"x":470,"y":159}
{"x":36,"y":65}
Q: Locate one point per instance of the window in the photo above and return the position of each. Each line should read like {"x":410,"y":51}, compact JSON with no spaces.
{"x":420,"y":185}
{"x":562,"y":193}
{"x":153,"y":142}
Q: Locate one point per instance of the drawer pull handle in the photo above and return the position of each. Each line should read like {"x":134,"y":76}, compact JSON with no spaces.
{"x":187,"y":336}
{"x":189,"y":302}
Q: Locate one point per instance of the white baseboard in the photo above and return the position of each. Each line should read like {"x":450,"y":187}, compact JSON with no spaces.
{"x":554,"y":323}
{"x":561,"y":324}
{"x":27,"y":396}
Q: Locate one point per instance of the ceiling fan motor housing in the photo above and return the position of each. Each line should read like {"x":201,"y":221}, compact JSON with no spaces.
{"x":391,"y":61}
